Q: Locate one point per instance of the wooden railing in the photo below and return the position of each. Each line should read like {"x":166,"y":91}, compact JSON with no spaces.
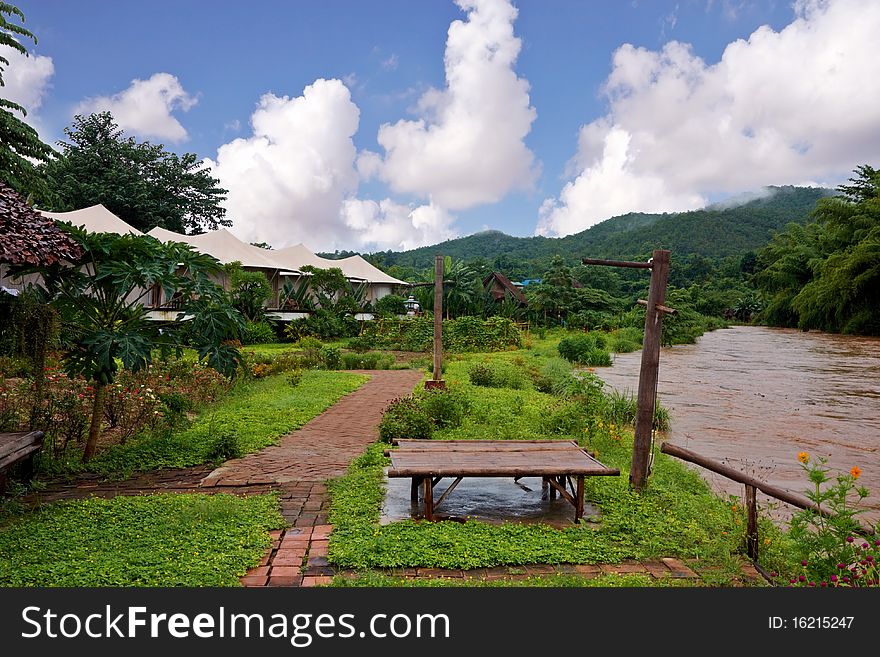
{"x":752,"y":485}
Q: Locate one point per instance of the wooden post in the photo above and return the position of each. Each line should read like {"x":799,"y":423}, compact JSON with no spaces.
{"x":579,"y":508}
{"x":429,"y":498}
{"x":414,"y":490}
{"x":649,"y":370}
{"x":752,"y":523}
{"x":437,"y":381}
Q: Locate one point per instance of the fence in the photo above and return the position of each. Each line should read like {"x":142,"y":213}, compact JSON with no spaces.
{"x":752,"y":485}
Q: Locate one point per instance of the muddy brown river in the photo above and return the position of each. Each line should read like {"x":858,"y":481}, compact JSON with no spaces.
{"x":754,"y":397}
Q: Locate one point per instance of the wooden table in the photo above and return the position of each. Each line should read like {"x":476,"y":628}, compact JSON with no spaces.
{"x":18,"y":447}
{"x":562,"y":464}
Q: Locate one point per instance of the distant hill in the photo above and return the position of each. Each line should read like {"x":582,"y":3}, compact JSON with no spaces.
{"x":715,"y":232}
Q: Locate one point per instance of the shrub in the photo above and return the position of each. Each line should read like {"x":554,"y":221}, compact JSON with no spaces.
{"x":446,"y":408}
{"x":331,"y":357}
{"x":361,"y":344}
{"x":258,"y":333}
{"x":825,"y":543}
{"x":568,"y":418}
{"x":310,"y":351}
{"x":482,"y":374}
{"x":404,"y":418}
{"x":585,"y":349}
{"x":369,"y":361}
{"x":625,"y":340}
{"x":556,"y":378}
{"x":294,"y":378}
{"x":224,"y":447}
{"x":391,"y":304}
{"x":323,"y":324}
{"x":174,"y":407}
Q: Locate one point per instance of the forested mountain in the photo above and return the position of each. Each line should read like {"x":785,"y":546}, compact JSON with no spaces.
{"x":715,"y":232}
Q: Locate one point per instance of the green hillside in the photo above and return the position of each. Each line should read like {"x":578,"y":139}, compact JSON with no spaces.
{"x":714,"y":232}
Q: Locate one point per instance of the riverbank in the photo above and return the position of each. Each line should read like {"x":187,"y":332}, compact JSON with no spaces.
{"x":755,"y":397}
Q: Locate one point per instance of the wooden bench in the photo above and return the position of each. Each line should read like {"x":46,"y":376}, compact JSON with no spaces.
{"x":18,"y":447}
{"x":562,"y":465}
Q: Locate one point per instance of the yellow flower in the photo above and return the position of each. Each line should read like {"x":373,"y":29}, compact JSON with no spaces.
{"x":856,"y":472}
{"x":803,"y":457}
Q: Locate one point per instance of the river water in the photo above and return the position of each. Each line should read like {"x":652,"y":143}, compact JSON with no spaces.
{"x":754,"y":397}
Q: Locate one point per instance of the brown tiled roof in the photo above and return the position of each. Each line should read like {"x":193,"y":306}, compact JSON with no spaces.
{"x":27,"y":237}
{"x":501,"y":285}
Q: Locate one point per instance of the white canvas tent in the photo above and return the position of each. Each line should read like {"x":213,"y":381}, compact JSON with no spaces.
{"x":95,"y":219}
{"x":226,"y":247}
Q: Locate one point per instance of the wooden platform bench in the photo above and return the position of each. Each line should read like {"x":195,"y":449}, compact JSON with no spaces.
{"x":16,"y":448}
{"x":562,"y":465}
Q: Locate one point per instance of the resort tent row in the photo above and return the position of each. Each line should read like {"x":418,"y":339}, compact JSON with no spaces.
{"x":278,"y":265}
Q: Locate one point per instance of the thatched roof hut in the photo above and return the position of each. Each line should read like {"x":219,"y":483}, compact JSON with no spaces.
{"x":500,"y":287}
{"x":29,"y":238}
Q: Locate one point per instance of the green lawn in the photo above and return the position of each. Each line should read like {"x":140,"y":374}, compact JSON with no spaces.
{"x":678,"y":516}
{"x":256,"y":414}
{"x":155,"y":540}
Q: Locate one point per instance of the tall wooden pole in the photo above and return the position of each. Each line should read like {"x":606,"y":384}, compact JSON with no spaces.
{"x":648,"y":373}
{"x":438,"y":318}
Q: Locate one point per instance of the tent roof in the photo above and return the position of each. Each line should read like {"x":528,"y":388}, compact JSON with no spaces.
{"x":356,"y":267}
{"x":27,"y":237}
{"x":95,"y":219}
{"x":224,"y":246}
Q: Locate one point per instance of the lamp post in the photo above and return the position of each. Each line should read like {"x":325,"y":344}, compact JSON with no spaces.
{"x":412,"y":306}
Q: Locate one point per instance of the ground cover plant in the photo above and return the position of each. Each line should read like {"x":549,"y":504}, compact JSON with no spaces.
{"x":678,"y":515}
{"x":154,"y":540}
{"x":256,"y":416}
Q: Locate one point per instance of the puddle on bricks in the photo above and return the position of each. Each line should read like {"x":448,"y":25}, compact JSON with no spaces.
{"x":487,"y":499}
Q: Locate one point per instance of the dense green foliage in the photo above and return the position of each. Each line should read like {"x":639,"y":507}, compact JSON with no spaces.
{"x":140,"y":182}
{"x":154,"y":540}
{"x":20,"y":145}
{"x":826,"y":275}
{"x":249,"y":291}
{"x":463,"y":334}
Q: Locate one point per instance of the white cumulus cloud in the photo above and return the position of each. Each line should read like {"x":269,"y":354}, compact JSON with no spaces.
{"x":386,"y":224}
{"x":26,"y":78}
{"x":288,"y":180}
{"x":778,"y":108}
{"x":145,"y":107}
{"x":466,"y":148}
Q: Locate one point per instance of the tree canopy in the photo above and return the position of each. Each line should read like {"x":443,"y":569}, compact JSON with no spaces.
{"x":20,"y":144}
{"x":826,"y":275}
{"x":140,"y":182}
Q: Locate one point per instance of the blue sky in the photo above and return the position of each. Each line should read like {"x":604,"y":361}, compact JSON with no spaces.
{"x":590,"y":109}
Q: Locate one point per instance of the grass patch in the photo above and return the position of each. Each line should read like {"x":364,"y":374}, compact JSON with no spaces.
{"x":253,"y":416}
{"x":677,"y":516}
{"x":154,"y":540}
{"x":630,"y":580}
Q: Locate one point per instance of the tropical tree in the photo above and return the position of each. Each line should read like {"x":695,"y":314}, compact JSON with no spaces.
{"x":20,"y":145}
{"x":104,"y":321}
{"x":249,"y":291}
{"x":827,"y":275}
{"x":142,"y":183}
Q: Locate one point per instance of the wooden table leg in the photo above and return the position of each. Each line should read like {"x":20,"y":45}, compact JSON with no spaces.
{"x":429,"y":499}
{"x":414,"y":490}
{"x":579,"y":508}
